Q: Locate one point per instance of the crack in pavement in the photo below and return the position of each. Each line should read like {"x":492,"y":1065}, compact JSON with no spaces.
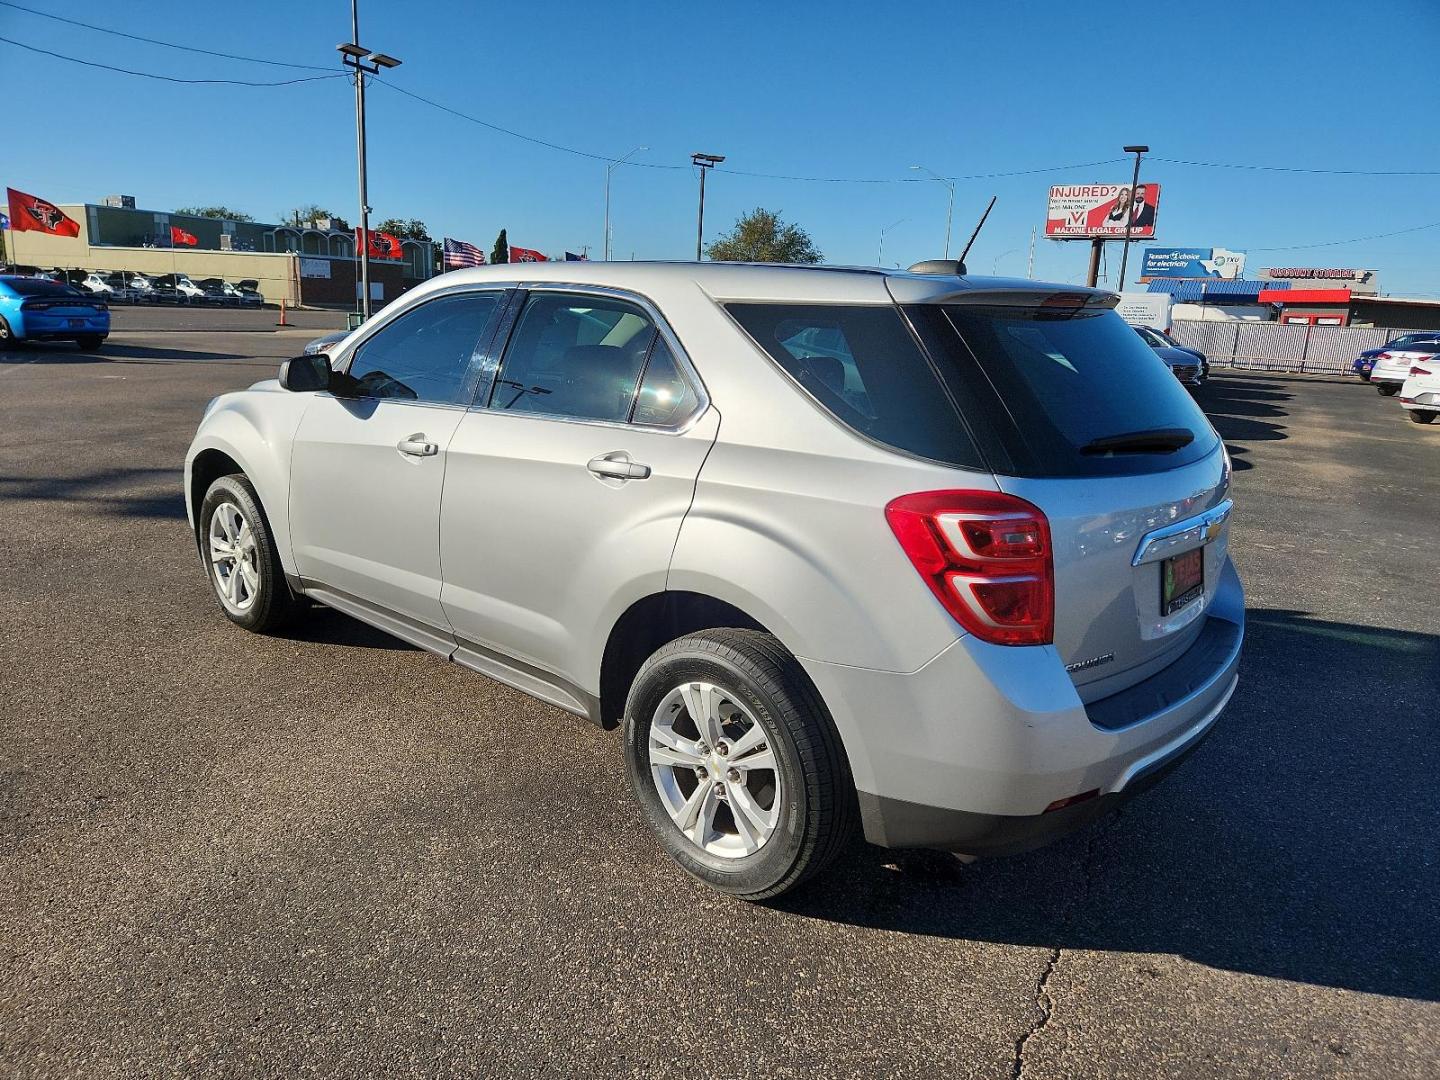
{"x":1043,"y":1001}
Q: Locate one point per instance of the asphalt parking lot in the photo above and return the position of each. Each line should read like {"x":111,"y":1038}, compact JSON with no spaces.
{"x":330,"y":854}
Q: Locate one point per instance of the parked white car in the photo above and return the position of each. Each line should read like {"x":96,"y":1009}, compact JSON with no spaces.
{"x":1392,"y":366}
{"x":930,"y":576}
{"x":1420,"y":392}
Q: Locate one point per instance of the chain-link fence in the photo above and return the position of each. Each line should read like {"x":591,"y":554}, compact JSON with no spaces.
{"x":1282,"y":347}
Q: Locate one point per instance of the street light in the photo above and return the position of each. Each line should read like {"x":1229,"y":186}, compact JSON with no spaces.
{"x":608,"y":170}
{"x":880,"y":255}
{"x":355,"y":56}
{"x":1130,"y":217}
{"x":949,"y":210}
{"x":704,"y":162}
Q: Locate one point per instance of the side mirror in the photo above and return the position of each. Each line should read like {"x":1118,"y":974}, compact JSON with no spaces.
{"x":309,"y":372}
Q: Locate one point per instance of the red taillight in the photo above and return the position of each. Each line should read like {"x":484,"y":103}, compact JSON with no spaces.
{"x":1417,"y":370}
{"x":987,"y":558}
{"x":1382,"y":356}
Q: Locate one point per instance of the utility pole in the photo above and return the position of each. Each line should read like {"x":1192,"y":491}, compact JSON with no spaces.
{"x":1130,"y":217}
{"x":950,"y":207}
{"x":880,"y":255}
{"x":608,"y":170}
{"x":704,"y":162}
{"x":362,"y":61}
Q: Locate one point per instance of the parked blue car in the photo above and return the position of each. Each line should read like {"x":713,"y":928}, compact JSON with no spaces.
{"x":38,"y":309}
{"x":1365,"y":362}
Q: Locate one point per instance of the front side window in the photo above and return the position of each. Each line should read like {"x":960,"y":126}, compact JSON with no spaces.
{"x":425,"y":354}
{"x":575,"y":356}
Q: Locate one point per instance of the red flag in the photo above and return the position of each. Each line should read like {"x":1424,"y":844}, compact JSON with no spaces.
{"x":28,"y":213}
{"x":383,"y":245}
{"x":519,"y":254}
{"x":180,"y":236}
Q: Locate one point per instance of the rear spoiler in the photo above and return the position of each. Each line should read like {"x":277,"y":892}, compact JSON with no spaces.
{"x":997,"y":292}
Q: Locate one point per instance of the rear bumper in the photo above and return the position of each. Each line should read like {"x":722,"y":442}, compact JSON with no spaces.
{"x":37,"y":327}
{"x":968,"y":753}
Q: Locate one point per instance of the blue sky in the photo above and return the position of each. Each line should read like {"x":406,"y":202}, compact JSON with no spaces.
{"x":835,"y":89}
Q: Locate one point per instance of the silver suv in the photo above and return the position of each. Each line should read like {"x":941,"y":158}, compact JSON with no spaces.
{"x":943,"y":554}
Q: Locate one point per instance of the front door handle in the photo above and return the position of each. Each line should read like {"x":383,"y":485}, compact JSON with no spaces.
{"x":618,"y":466}
{"x":417,"y":446}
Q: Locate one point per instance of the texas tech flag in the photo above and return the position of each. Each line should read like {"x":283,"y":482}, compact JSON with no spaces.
{"x":179,"y":236}
{"x":28,"y":213}
{"x":382,"y":245}
{"x":519,"y":254}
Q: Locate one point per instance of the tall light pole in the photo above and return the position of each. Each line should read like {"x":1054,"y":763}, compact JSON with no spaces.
{"x":1130,"y":217}
{"x":608,"y":170}
{"x":950,"y":209}
{"x":704,"y":162}
{"x":995,"y":263}
{"x":880,"y":255}
{"x":362,"y":61}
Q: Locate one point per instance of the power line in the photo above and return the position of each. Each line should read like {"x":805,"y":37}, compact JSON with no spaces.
{"x":1356,"y":240}
{"x":923,"y":179}
{"x":517,"y":134}
{"x":171,"y":78}
{"x":1296,"y":169}
{"x":157,"y":41}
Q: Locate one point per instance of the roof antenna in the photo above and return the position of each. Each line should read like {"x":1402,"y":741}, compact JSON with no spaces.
{"x":980,"y":225}
{"x":953,"y":266}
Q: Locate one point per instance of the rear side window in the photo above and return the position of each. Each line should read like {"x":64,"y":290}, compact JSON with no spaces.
{"x":864,"y":367}
{"x":665,"y":398}
{"x":1060,"y":389}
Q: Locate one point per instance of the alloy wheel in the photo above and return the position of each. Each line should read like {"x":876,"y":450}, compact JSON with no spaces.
{"x":715,"y":769}
{"x":234,"y":558}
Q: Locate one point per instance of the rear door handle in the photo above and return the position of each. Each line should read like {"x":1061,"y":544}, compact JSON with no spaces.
{"x":417,"y":446}
{"x":617,"y":465}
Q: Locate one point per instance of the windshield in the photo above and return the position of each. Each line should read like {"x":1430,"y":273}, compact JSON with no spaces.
{"x":40,"y":287}
{"x":1412,"y":339}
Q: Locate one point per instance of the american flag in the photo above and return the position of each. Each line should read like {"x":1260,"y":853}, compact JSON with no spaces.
{"x":459,"y":254}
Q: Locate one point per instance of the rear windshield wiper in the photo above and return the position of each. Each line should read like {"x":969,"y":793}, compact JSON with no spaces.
{"x":1152,"y":441}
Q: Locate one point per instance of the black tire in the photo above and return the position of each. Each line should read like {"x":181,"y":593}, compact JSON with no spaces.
{"x":1364,"y":376}
{"x":7,"y":336}
{"x":1422,"y":416}
{"x":90,"y":342}
{"x":274,"y":605}
{"x":818,"y":814}
{"x":1387,"y":389}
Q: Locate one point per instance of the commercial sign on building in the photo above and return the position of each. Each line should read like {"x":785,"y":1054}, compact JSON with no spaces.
{"x":1086,"y":211}
{"x":1192,"y":263}
{"x":315,"y":268}
{"x":1364,"y":282}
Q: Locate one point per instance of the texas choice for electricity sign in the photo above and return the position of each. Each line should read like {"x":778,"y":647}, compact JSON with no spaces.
{"x":1082,"y":211}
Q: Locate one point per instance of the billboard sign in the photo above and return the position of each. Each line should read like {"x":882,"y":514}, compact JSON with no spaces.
{"x":1086,"y":211}
{"x":1364,"y":282}
{"x":1192,"y":263}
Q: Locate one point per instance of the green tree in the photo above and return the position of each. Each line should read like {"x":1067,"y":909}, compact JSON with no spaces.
{"x":413,"y":229}
{"x":764,"y":236}
{"x":222,"y":212}
{"x":500,"y":253}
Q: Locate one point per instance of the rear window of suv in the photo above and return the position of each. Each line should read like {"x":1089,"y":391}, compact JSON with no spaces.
{"x":1025,"y":391}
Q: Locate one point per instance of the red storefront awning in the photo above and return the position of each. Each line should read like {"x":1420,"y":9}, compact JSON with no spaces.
{"x":1291,"y":297}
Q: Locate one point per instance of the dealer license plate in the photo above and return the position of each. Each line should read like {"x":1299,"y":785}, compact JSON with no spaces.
{"x":1182,"y":580}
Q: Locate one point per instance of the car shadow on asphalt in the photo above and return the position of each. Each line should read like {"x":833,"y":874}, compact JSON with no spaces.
{"x":326,"y":626}
{"x":64,"y":353}
{"x":107,"y":490}
{"x":1243,"y":410}
{"x":1300,"y":842}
